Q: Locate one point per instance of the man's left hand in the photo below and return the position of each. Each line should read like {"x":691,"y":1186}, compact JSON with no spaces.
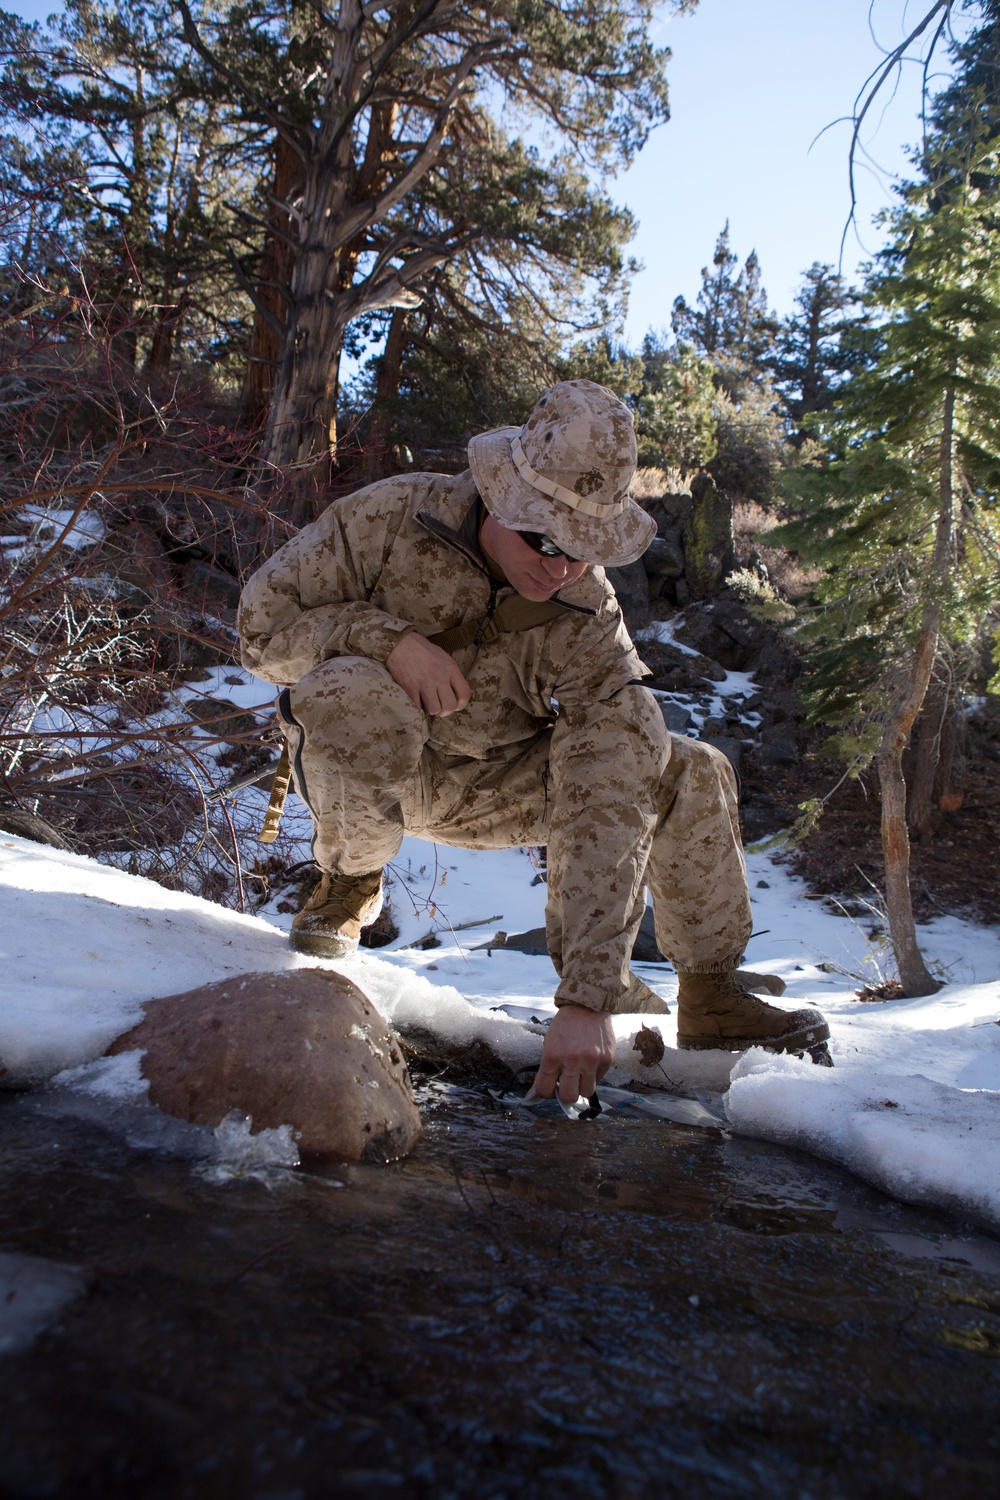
{"x":579,"y":1049}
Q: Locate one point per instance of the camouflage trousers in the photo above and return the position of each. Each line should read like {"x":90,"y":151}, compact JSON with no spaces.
{"x":367,"y":766}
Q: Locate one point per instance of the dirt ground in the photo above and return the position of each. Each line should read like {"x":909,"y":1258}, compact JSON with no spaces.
{"x":956,"y":871}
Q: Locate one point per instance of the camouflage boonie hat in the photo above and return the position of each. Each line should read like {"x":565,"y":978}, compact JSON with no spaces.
{"x":566,"y":473}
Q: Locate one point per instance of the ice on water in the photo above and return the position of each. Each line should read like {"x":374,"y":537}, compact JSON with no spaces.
{"x":33,"y":1292}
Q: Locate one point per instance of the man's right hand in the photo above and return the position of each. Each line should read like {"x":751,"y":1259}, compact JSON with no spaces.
{"x":427,"y":675}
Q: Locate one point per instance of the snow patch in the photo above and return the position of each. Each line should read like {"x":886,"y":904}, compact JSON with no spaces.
{"x":915,"y":1138}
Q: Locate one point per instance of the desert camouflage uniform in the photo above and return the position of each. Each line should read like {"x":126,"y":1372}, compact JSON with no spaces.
{"x":559,"y":745}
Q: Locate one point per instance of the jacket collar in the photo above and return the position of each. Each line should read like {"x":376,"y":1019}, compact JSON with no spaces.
{"x":466,"y":541}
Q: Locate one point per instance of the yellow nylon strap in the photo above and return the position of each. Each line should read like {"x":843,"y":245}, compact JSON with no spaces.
{"x":513,"y":614}
{"x":276,"y":806}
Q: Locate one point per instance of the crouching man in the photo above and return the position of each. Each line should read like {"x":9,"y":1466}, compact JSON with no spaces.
{"x":455,"y":666}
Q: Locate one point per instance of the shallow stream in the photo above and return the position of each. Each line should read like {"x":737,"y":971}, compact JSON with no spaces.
{"x":526,"y":1307}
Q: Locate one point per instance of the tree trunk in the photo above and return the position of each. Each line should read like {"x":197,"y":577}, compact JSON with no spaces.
{"x":949,"y":787}
{"x":300,"y":444}
{"x":926,"y":756}
{"x":276,"y":269}
{"x":165,"y":330}
{"x":176,"y":240}
{"x":378,"y":460}
{"x":914,"y":975}
{"x":906,"y":705}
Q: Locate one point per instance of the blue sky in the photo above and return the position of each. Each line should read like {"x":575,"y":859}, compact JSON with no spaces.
{"x":753,"y":82}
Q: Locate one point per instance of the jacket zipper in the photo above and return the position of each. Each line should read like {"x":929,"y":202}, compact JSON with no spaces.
{"x":488,"y":617}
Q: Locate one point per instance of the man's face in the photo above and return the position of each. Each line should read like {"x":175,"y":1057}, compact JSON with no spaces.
{"x":534,"y":575}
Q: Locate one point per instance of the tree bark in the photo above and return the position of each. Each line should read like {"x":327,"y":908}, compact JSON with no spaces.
{"x":277,"y":265}
{"x":926,"y":756}
{"x":907,"y":701}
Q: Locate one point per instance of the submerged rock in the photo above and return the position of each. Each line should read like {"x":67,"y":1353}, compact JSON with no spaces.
{"x":305,"y":1048}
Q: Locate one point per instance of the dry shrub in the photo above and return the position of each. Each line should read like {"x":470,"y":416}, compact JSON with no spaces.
{"x":752,"y":522}
{"x":652,"y":484}
{"x":127,"y":519}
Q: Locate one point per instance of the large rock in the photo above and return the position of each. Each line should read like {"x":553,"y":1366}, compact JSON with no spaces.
{"x":631,"y":586}
{"x":731,"y":747}
{"x":675,"y":716}
{"x":306,"y":1049}
{"x":701,"y":632}
{"x":708,"y":539}
{"x":664,"y":557}
{"x":222,"y":720}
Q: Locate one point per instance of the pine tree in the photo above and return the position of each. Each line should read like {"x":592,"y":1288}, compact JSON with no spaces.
{"x":676,"y":414}
{"x":135,"y":166}
{"x":731,"y":317}
{"x":903,"y":517}
{"x":817,"y":345}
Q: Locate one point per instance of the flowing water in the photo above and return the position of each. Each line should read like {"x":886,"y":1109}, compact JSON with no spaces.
{"x":527,"y":1307}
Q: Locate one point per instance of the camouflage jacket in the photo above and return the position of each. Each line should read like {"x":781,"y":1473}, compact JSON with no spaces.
{"x":403,"y":555}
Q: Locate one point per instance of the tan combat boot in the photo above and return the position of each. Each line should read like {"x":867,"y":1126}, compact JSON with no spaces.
{"x":330,"y":923}
{"x":716,"y":1011}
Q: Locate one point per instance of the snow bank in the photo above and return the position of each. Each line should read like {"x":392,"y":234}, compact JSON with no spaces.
{"x":917,"y":1139}
{"x":82,"y":945}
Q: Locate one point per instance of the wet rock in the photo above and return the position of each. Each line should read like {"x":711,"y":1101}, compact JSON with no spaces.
{"x":708,"y":538}
{"x":305,"y":1048}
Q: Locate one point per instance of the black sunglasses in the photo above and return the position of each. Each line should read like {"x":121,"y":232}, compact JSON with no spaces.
{"x":539,"y":542}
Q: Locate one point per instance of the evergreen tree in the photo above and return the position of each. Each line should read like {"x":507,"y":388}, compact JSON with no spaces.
{"x":135,"y":165}
{"x":546,"y":266}
{"x":676,"y":414}
{"x":903,"y":517}
{"x":731,"y":317}
{"x":817,"y":345}
{"x":371,"y":100}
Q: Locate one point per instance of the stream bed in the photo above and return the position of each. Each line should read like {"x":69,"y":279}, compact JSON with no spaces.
{"x":526,"y":1307}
